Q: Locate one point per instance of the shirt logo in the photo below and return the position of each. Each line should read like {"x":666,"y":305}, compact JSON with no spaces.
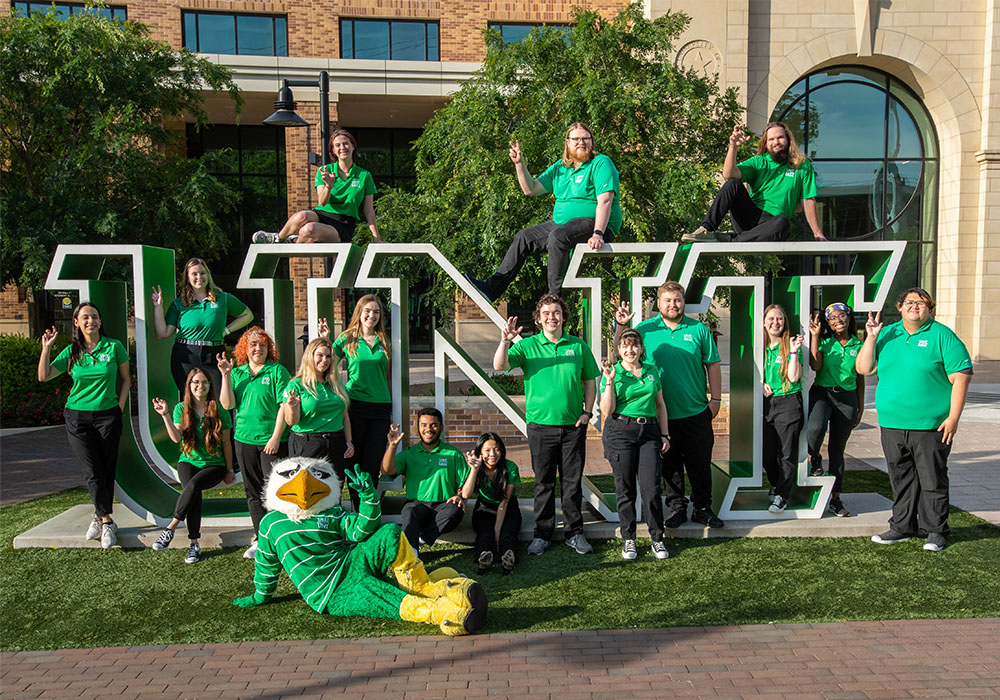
{"x":853,"y":353}
{"x":213,"y":305}
{"x":355,"y":183}
{"x":922,"y":344}
{"x":265,"y":380}
{"x":579,"y":178}
{"x":323,"y":522}
{"x":104,"y":357}
{"x":688,"y":337}
{"x":443,"y":462}
{"x":789,"y":173}
{"x":570,"y":352}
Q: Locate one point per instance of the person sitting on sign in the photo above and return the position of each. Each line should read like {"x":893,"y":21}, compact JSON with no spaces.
{"x":780,"y":176}
{"x":344,"y":190}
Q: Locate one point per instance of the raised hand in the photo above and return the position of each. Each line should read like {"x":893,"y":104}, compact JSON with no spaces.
{"x":157,"y":296}
{"x":814,"y":326}
{"x":329,"y":177}
{"x":49,"y":337}
{"x":160,"y":406}
{"x":293,"y":399}
{"x":609,"y":371}
{"x":738,"y":138}
{"x":472,"y":460}
{"x":622,"y":314}
{"x":359,"y":480}
{"x":515,"y":151}
{"x":395,"y":435}
{"x":873,"y":326}
{"x":511,"y":330}
{"x":324,"y":328}
{"x":224,"y":364}
{"x":794,"y":343}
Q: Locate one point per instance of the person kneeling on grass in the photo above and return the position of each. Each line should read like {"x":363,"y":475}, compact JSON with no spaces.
{"x":202,"y":430}
{"x":338,"y":560}
{"x":496,"y":517}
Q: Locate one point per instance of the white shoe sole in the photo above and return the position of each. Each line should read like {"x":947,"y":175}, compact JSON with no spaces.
{"x":878,"y":540}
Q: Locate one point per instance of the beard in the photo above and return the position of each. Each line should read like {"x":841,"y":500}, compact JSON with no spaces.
{"x":580,"y":155}
{"x":780,"y":156}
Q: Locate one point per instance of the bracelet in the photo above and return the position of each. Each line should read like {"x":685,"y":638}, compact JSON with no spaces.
{"x":589,"y":414}
{"x":664,"y":436}
{"x":715,"y":399}
{"x":599,"y":232}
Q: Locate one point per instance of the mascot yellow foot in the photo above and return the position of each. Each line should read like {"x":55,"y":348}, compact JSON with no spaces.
{"x":413,"y":577}
{"x":454,"y":617}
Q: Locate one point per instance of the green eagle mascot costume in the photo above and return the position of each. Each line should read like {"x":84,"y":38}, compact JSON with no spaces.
{"x":339,"y":560}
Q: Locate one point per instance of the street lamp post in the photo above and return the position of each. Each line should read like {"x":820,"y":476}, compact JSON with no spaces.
{"x":285,"y":115}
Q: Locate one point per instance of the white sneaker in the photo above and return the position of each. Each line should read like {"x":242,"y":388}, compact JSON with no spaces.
{"x":109,"y":534}
{"x":264,"y":237}
{"x":660,"y":550}
{"x":163,"y":541}
{"x":94,"y":529}
{"x":700,"y":234}
{"x":537,"y":546}
{"x":777,"y":504}
{"x":628,"y":550}
{"x":251,"y":551}
{"x":194,"y":554}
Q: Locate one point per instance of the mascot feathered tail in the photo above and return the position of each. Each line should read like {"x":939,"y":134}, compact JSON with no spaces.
{"x":339,"y":560}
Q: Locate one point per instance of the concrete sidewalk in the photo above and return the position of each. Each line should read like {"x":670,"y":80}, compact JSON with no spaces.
{"x":825,"y":661}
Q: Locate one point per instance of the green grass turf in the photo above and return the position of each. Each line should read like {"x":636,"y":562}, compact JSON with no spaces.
{"x":83,"y":597}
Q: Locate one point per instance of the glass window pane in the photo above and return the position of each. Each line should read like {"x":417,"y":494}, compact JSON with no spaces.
{"x":346,"y":39}
{"x":216,"y":34}
{"x":432,"y":42}
{"x":280,"y":36}
{"x":903,"y":200}
{"x":61,"y":11}
{"x":913,"y":133}
{"x":856,"y":73}
{"x":847,"y":197}
{"x":409,"y":41}
{"x":515,"y":33}
{"x":850,"y":122}
{"x":255,"y":35}
{"x":22,"y":7}
{"x":191,"y":31}
{"x":371,"y":40}
{"x":121,"y":13}
{"x":258,"y":150}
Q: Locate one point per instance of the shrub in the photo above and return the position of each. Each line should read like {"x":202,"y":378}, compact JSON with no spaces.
{"x":25,"y":401}
{"x":512,"y":385}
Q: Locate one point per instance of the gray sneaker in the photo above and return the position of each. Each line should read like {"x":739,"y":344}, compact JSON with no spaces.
{"x":700,"y":235}
{"x":890,"y":537}
{"x":538,"y":545}
{"x":628,"y":550}
{"x":264,"y":237}
{"x":94,"y":529}
{"x":660,"y":550}
{"x":194,"y":554}
{"x":109,"y":534}
{"x":935,"y":542}
{"x":579,"y":544}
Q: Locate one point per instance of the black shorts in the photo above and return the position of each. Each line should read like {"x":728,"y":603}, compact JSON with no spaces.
{"x":345,"y":225}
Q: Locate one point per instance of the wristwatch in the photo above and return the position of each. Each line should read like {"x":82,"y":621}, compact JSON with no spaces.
{"x":599,"y":232}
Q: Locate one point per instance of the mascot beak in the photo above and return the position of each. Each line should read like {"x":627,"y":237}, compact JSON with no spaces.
{"x":304,"y":490}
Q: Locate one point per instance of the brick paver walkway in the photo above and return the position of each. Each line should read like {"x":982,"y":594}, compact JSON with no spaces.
{"x":841,"y":660}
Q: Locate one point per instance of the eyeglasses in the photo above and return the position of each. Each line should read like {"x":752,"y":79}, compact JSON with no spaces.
{"x":199,"y":382}
{"x":914,"y":304}
{"x":581,"y":139}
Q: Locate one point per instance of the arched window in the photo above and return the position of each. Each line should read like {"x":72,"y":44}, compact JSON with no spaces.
{"x":876,"y":158}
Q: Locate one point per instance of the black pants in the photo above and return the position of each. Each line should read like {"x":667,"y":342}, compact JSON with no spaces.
{"x":194,"y":480}
{"x":917,"y":461}
{"x":633,"y":450}
{"x":484,"y":524}
{"x":345,"y":225}
{"x":184,"y":358}
{"x":94,"y":437}
{"x":557,"y":449}
{"x":782,"y":426}
{"x":255,"y":464}
{"x":428,"y":521}
{"x":369,"y":427}
{"x":558,"y":239}
{"x":691,"y":443}
{"x":328,"y":446}
{"x":838,"y":409}
{"x":749,"y":222}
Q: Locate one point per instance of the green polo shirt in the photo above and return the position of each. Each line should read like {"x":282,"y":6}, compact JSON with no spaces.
{"x":258,"y":400}
{"x":94,"y":374}
{"x":199,"y":456}
{"x":432,"y":475}
{"x":204,"y":320}
{"x":322,"y":413}
{"x":913,"y":391}
{"x":772,"y":372}
{"x":838,"y":370}
{"x":366,"y":370}
{"x":553,"y":377}
{"x":485,"y":492}
{"x":576,"y":190}
{"x":777,"y":188}
{"x":681,"y":355}
{"x":636,"y":396}
{"x":347,"y":195}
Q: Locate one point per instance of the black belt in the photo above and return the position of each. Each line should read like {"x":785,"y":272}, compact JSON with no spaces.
{"x":641,"y":420}
{"x":320,"y":436}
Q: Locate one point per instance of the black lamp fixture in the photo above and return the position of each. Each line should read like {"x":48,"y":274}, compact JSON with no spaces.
{"x":285,"y":115}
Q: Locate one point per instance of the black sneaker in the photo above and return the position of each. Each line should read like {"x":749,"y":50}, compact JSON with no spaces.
{"x":676,"y":519}
{"x":706,"y":516}
{"x":777,"y":504}
{"x":482,"y":286}
{"x":890,"y":537}
{"x":837,"y":508}
{"x":163,"y":541}
{"x":817,"y":465}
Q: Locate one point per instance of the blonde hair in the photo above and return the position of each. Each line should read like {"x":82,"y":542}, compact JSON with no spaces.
{"x":795,"y":156}
{"x":311,"y":376}
{"x":567,"y":157}
{"x":353,"y":330}
{"x":784,"y":343}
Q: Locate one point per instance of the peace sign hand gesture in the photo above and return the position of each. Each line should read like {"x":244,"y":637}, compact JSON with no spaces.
{"x":49,"y":337}
{"x":609,"y":371}
{"x":622,"y":314}
{"x":293,"y":400}
{"x":224,"y":364}
{"x":515,"y":152}
{"x":395,"y":435}
{"x":814,"y":326}
{"x":738,"y":138}
{"x":794,"y":343}
{"x":510,"y":331}
{"x":873,"y":326}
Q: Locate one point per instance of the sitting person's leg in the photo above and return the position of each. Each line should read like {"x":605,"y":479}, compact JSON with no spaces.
{"x":733,"y":199}
{"x":527,"y":241}
{"x":561,"y":242}
{"x":447,"y":517}
{"x":768,"y":228}
{"x":415,"y":516}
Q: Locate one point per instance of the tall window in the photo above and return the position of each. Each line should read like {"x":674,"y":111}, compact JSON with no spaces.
{"x":65,"y":9}
{"x":252,"y":160}
{"x":388,"y":154}
{"x":398,"y":40}
{"x":514,"y":32}
{"x":876,"y":158}
{"x":224,"y":32}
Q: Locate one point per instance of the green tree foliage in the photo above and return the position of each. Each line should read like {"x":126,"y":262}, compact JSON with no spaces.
{"x":666,"y":129}
{"x":91,"y":127}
